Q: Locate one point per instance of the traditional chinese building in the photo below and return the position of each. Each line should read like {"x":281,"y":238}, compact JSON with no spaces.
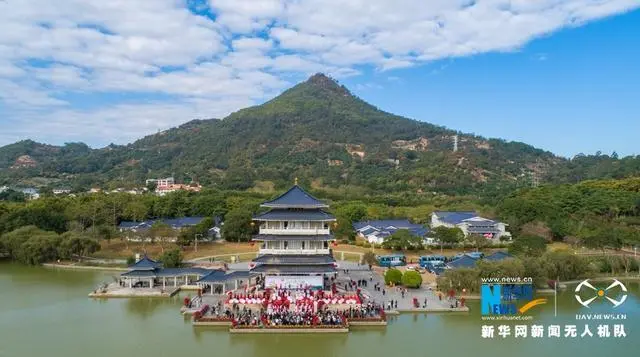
{"x":295,"y":239}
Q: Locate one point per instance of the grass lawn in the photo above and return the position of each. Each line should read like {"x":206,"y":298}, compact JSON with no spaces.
{"x":119,"y":249}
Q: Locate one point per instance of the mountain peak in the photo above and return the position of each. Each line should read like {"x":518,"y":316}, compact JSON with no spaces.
{"x":322,"y":81}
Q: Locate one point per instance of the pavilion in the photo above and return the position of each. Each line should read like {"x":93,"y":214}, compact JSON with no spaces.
{"x":150,"y":273}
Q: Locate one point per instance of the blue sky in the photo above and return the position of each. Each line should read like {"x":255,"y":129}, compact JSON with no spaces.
{"x":560,"y":75}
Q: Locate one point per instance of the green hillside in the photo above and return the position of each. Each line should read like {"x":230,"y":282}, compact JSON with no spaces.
{"x":317,"y":131}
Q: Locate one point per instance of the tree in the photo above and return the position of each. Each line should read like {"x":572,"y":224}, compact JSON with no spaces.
{"x":446,"y":235}
{"x":106,"y":232}
{"x":528,"y":246}
{"x":369,"y":258}
{"x":411,"y":279}
{"x":392,"y":277}
{"x":172,"y":258}
{"x":402,"y":239}
{"x":344,"y":229}
{"x":478,"y":241}
{"x":353,"y":212}
{"x":151,"y":186}
{"x":161,"y":232}
{"x":462,"y":278}
{"x":237,"y":225}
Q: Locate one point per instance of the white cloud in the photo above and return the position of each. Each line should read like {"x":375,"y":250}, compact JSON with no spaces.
{"x":55,"y":53}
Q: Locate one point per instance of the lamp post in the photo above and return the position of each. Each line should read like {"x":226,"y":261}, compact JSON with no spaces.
{"x":197,"y":235}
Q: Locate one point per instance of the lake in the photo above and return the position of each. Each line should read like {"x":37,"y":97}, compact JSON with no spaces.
{"x":46,"y":312}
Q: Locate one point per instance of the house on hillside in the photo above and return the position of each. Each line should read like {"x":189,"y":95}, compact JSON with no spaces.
{"x":376,"y":231}
{"x":161,"y":182}
{"x":61,"y":191}
{"x":470,"y":223}
{"x":137,"y":230}
{"x":163,"y":190}
{"x":31,"y":193}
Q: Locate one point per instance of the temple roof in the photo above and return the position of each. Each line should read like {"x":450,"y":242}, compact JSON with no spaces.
{"x":219,"y":276}
{"x":464,"y":261}
{"x":293,"y":269}
{"x":169,"y":272}
{"x":499,"y":255}
{"x":289,"y":215}
{"x":140,"y":274}
{"x":296,"y":197}
{"x":283,"y":259}
{"x":266,"y":238}
{"x":145,"y":264}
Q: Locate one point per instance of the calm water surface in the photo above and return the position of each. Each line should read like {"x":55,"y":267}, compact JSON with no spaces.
{"x":47,"y":313}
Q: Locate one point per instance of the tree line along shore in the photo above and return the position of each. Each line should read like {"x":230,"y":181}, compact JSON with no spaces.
{"x":594,"y":215}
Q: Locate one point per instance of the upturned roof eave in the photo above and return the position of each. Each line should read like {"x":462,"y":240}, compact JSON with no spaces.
{"x":293,"y":205}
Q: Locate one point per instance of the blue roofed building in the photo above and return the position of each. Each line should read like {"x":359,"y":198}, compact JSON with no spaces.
{"x":295,"y":237}
{"x":470,"y":223}
{"x":498,"y":256}
{"x":148,"y":273}
{"x":136,"y":230}
{"x":376,"y":231}
{"x":464,"y":261}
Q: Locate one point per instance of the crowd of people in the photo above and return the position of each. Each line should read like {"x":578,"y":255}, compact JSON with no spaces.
{"x":368,"y":310}
{"x":285,"y":297}
{"x":282,"y":316}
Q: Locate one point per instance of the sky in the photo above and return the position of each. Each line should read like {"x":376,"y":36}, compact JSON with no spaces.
{"x":561,"y":75}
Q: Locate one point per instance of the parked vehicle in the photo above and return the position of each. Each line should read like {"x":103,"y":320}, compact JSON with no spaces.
{"x":431,"y":260}
{"x":392,"y":260}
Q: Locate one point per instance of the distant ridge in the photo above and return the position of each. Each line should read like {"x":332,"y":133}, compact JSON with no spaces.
{"x":317,"y":131}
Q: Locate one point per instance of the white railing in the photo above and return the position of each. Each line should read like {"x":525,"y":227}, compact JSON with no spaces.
{"x":295,"y":251}
{"x":292,"y":231}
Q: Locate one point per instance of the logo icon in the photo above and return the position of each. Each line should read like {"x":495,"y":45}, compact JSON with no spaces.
{"x":501,"y":299}
{"x":601,"y":293}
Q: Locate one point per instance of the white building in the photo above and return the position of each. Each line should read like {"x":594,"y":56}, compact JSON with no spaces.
{"x":161,"y":182}
{"x":61,"y":191}
{"x":470,"y":223}
{"x":376,"y":231}
{"x":31,"y":193}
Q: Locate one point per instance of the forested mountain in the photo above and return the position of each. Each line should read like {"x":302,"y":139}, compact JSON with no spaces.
{"x":317,"y":131}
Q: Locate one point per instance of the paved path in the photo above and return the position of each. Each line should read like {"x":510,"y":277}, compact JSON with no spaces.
{"x":357,"y":272}
{"x":392,"y":293}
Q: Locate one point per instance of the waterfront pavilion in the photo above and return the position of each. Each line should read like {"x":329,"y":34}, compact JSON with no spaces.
{"x":219,"y":282}
{"x":150,"y":273}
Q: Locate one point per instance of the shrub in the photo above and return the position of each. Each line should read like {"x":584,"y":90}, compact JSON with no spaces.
{"x":393,"y":277}
{"x":131,"y":260}
{"x":411,"y":279}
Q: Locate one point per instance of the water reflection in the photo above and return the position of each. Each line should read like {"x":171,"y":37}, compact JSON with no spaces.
{"x":146,"y":307}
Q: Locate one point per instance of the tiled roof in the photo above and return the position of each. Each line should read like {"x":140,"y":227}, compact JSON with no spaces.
{"x":167,"y":272}
{"x":295,"y":197}
{"x":140,"y":274}
{"x":145,"y":264}
{"x":455,"y":217}
{"x":483,"y":230}
{"x":266,"y":238}
{"x":387,"y":223}
{"x":289,"y":215}
{"x":384,"y":228}
{"x":283,"y":259}
{"x":499,"y":255}
{"x":463,"y":262}
{"x":173,"y":222}
{"x":293,"y":269}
